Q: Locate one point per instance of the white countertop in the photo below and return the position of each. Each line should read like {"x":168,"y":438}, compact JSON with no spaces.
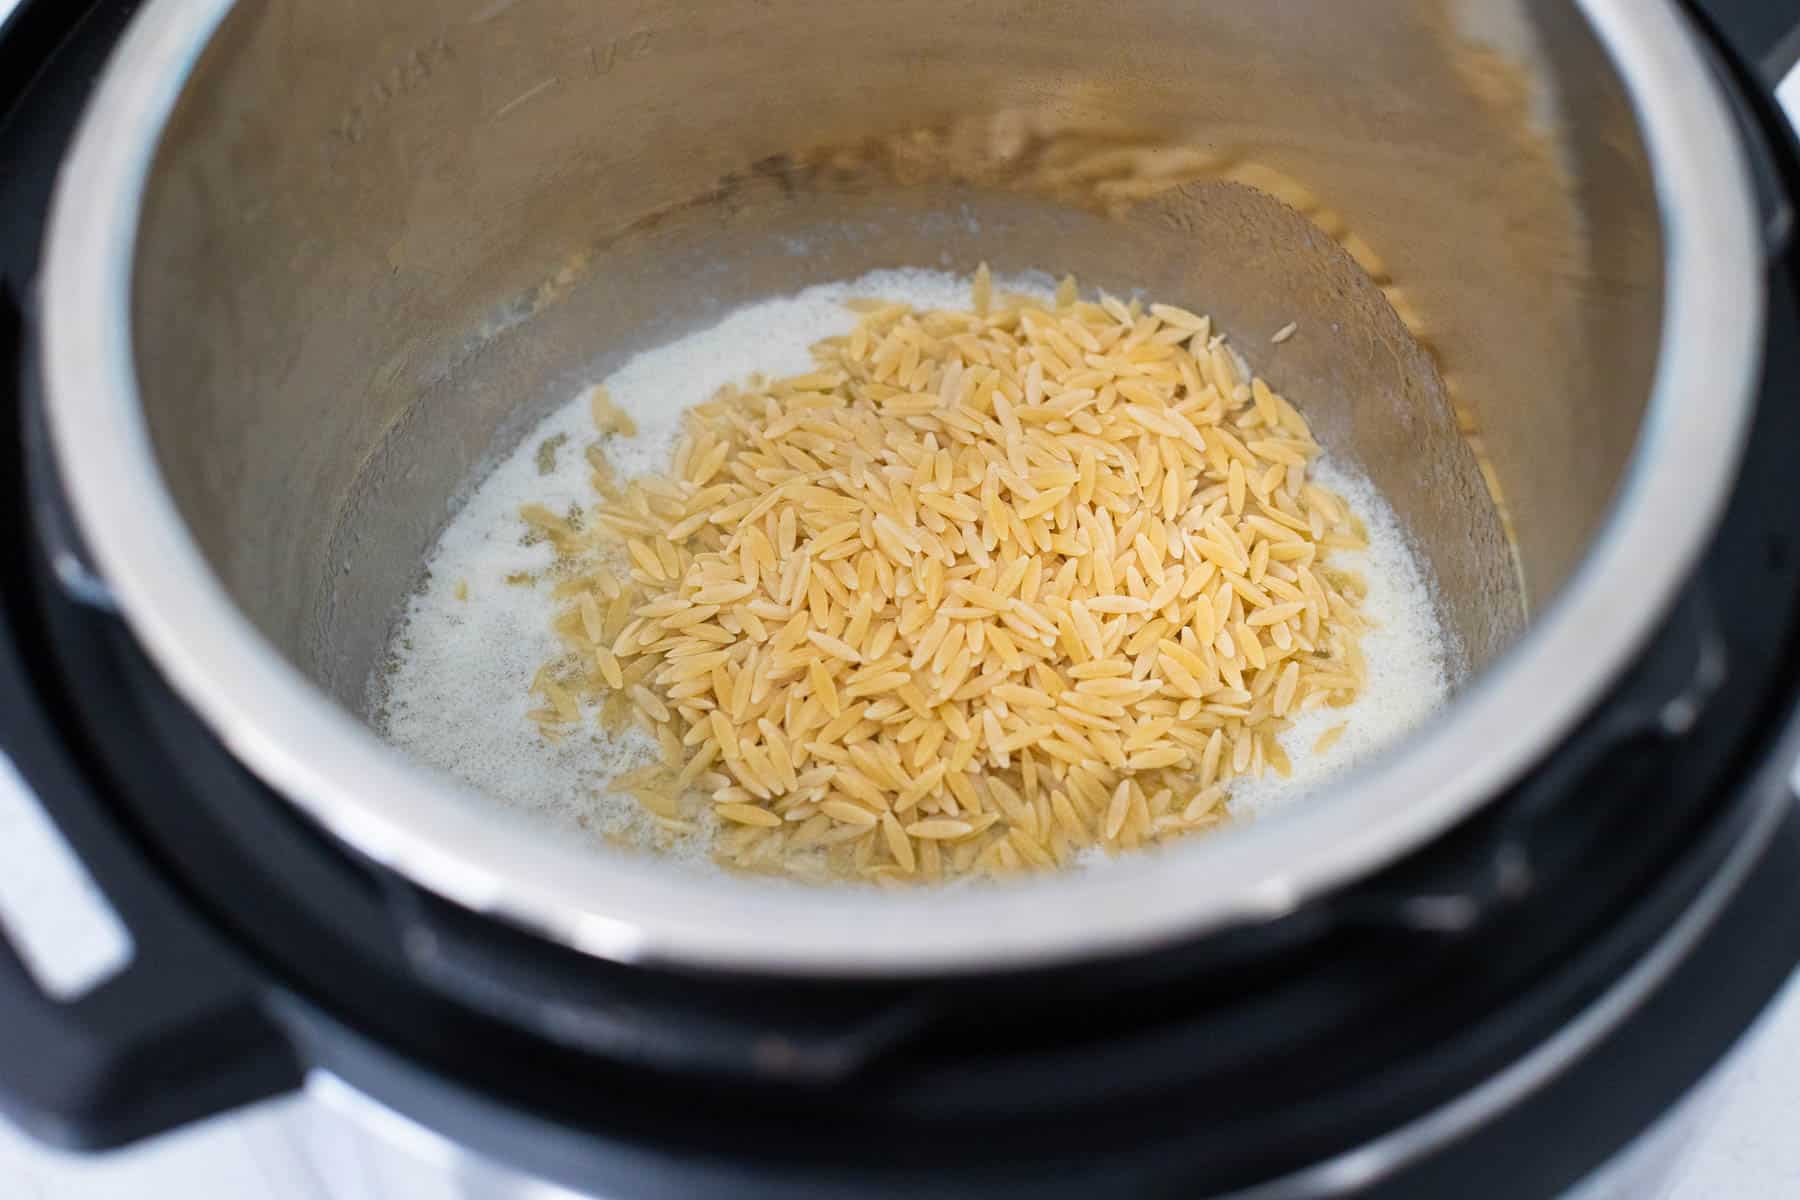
{"x":1750,"y":1149}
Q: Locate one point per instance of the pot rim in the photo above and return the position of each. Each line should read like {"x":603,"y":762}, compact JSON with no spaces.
{"x":440,"y":834}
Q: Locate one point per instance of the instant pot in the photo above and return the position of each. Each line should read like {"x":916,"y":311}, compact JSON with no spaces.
{"x":279,"y":274}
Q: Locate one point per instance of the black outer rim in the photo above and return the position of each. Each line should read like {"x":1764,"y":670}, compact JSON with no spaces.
{"x":475,"y":1062}
{"x":353,"y":964}
{"x":1540,"y":1148}
{"x":467,"y":1100}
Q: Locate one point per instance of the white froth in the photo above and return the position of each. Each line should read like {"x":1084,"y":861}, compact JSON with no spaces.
{"x":1406,"y":650}
{"x":455,"y":695}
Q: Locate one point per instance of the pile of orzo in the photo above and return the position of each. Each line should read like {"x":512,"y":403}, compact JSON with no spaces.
{"x":983,"y":591}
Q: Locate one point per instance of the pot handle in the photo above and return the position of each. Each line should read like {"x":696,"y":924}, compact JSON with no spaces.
{"x":1753,"y":47}
{"x":122,"y":1014}
{"x":1766,"y":36}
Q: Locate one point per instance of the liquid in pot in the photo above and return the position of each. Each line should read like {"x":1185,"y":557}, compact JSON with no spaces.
{"x":457,"y":691}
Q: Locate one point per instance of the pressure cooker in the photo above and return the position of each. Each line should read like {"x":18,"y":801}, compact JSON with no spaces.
{"x":280,"y":274}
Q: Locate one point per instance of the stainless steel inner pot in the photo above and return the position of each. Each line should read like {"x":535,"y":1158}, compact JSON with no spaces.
{"x":310,"y":263}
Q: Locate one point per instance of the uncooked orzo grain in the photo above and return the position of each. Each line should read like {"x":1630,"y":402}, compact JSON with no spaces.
{"x":982,"y":591}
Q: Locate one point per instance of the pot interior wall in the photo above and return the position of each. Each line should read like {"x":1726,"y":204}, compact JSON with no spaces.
{"x":381,"y":241}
